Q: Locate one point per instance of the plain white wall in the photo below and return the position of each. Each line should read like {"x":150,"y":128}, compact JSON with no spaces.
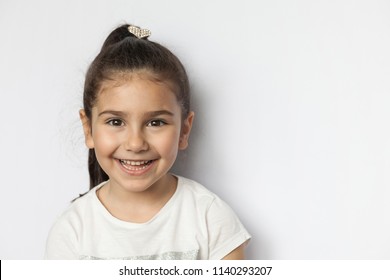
{"x":292,"y":125}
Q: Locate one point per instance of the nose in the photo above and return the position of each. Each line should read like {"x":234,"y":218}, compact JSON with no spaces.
{"x":136,"y":141}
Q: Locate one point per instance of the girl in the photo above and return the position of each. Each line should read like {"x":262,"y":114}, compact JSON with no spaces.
{"x":136,"y":117}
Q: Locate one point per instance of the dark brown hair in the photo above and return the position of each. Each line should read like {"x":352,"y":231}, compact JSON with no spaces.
{"x":124,"y":53}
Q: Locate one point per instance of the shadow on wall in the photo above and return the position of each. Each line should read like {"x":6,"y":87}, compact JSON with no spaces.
{"x":200,"y":159}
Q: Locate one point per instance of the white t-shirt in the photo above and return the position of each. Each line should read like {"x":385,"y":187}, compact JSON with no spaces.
{"x":193,"y":224}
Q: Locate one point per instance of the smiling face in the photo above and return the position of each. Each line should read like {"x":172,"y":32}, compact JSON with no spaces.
{"x":136,"y":130}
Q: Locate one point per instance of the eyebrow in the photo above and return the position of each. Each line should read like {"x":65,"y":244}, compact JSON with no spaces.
{"x":150,"y":114}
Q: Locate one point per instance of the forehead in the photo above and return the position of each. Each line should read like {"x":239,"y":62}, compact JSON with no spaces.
{"x":136,"y":92}
{"x":118,"y":78}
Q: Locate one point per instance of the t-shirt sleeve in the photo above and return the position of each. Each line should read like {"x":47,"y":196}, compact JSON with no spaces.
{"x":61,"y":242}
{"x":225,"y":230}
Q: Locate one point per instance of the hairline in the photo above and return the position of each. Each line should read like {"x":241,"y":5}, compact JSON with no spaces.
{"x":120,"y":76}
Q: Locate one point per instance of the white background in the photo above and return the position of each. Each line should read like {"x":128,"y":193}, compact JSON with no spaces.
{"x":292,"y":127}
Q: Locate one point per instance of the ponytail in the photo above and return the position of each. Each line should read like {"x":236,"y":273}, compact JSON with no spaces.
{"x":96,"y":173}
{"x":116,"y":36}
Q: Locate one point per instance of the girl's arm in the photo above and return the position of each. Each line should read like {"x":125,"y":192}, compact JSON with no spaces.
{"x":236,"y":254}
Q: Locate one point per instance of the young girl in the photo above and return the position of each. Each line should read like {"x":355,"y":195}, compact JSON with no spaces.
{"x":136,"y":117}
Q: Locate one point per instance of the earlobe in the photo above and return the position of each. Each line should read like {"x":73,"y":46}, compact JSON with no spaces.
{"x":87,"y":129}
{"x":185,"y":131}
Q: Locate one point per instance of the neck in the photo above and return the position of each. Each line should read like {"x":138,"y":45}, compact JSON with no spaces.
{"x":136,"y":206}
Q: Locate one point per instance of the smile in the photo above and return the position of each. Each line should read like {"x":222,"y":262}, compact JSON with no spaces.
{"x":135,"y":165}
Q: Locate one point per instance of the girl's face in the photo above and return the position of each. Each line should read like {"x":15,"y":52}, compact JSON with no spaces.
{"x":136,"y":130}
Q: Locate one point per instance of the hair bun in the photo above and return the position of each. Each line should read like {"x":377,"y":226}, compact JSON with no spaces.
{"x":117,"y":35}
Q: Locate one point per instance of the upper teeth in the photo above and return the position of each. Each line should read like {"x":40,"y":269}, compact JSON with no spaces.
{"x":130,"y":162}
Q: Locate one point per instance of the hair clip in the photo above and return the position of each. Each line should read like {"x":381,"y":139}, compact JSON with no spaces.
{"x":138,"y":32}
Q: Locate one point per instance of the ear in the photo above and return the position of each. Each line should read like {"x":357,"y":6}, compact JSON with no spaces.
{"x":185,"y":131}
{"x":87,"y":129}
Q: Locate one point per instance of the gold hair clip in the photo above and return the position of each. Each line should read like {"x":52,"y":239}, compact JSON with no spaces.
{"x":138,"y":32}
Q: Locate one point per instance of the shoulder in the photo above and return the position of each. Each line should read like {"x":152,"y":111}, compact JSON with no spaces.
{"x":225,"y":231}
{"x":212,"y":207}
{"x":71,"y":219}
{"x":195,"y":189}
{"x":202,"y":195}
{"x":192,"y":193}
{"x":66,"y":231}
{"x":78,"y":208}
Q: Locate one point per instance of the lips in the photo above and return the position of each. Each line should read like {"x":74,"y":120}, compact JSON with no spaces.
{"x":135,"y":165}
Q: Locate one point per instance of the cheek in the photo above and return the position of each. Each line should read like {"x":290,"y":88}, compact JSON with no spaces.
{"x":104,"y":142}
{"x":168,"y":144}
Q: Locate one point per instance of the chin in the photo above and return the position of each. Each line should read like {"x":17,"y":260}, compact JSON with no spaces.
{"x":139,"y":185}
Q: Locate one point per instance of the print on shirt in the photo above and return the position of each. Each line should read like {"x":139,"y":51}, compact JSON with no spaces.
{"x":189,"y":255}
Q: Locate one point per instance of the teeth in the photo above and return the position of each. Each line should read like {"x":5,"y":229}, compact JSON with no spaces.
{"x":134,"y":163}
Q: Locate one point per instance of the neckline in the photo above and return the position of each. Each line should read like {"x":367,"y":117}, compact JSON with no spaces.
{"x":103,"y":210}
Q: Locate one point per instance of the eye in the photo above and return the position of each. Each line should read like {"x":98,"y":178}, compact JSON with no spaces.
{"x":156,"y":123}
{"x":115,"y":122}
